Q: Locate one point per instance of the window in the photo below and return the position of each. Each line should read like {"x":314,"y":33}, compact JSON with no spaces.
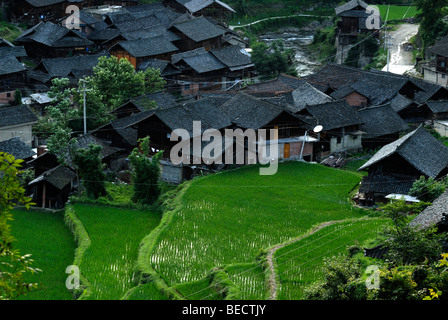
{"x":443,"y":76}
{"x":8,"y":94}
{"x":338,"y":139}
{"x":443,"y":64}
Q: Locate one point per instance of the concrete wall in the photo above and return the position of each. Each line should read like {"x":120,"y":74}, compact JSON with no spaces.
{"x":170,"y":172}
{"x":435,"y":77}
{"x":348,"y":143}
{"x":441,"y":127}
{"x":24,"y":132}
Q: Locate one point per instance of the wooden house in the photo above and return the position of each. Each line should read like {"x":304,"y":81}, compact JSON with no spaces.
{"x":437,"y":70}
{"x":136,"y":51}
{"x":51,"y":40}
{"x":341,"y":127}
{"x":396,"y":166}
{"x":355,"y":18}
{"x":209,"y":8}
{"x":381,"y":125}
{"x":433,"y":216}
{"x":197,"y":33}
{"x":12,"y":77}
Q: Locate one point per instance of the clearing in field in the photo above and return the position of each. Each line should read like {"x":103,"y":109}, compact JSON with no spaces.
{"x":49,"y":240}
{"x":226,"y":219}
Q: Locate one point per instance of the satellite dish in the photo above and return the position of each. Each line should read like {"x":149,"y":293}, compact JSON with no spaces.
{"x":318,"y":129}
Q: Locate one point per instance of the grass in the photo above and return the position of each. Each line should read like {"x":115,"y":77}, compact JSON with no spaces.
{"x":115,"y":234}
{"x":397,"y":12}
{"x":9,"y":31}
{"x":300,"y":264}
{"x":47,"y":238}
{"x":228,"y":218}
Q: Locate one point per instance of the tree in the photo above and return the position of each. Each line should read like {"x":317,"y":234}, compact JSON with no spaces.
{"x":432,"y":25}
{"x":17,"y":97}
{"x":116,"y":81}
{"x":428,"y":189}
{"x":90,"y":168}
{"x":272,"y":60}
{"x":13,"y":265}
{"x":145,"y":173}
{"x":60,"y":114}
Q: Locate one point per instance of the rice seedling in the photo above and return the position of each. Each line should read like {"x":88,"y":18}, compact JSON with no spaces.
{"x":115,"y":236}
{"x":47,"y":238}
{"x":227,"y":218}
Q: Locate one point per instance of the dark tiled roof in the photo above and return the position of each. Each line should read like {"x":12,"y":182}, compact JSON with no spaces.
{"x":9,"y":65}
{"x":438,"y":106}
{"x":420,"y":149}
{"x":148,"y":47}
{"x":18,"y":148}
{"x":197,"y":5}
{"x":175,"y":58}
{"x":400,"y":102}
{"x":59,"y":177}
{"x":163,"y":100}
{"x":440,"y":48}
{"x":381,"y":120}
{"x":62,"y":67}
{"x":104,"y":34}
{"x":350,"y":6}
{"x":199,"y":29}
{"x":11,"y":116}
{"x":334,"y":115}
{"x":233,"y":57}
{"x":149,"y":33}
{"x":307,"y":95}
{"x":249,"y":112}
{"x":18,"y":51}
{"x":204,"y":63}
{"x":43,"y":3}
{"x":433,"y":214}
{"x":165,"y":67}
{"x":53,"y":35}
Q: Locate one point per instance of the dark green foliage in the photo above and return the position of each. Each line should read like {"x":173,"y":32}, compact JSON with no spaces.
{"x":428,"y":189}
{"x":17,"y":97}
{"x":90,"y":168}
{"x":432,"y":24}
{"x":145,"y":173}
{"x":272,"y":60}
{"x":13,"y":265}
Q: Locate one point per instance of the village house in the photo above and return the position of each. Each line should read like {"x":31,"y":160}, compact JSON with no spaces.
{"x":433,"y":216}
{"x":216,"y":9}
{"x":381,"y":125}
{"x":396,"y":166}
{"x":50,"y":40}
{"x":355,"y":18}
{"x":436,"y":69}
{"x":17,"y":121}
{"x":341,"y":127}
{"x":139,"y":50}
{"x":12,"y":77}
{"x":8,"y":49}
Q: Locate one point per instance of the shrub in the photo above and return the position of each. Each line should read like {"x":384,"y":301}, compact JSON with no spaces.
{"x":428,"y":189}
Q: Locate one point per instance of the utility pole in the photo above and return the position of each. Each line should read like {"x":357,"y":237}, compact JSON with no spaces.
{"x":84,"y":98}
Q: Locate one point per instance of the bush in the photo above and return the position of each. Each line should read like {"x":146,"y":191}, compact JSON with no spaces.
{"x":428,"y":189}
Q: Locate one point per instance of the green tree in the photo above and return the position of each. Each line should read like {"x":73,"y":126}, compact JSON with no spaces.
{"x":17,"y":97}
{"x":13,"y":265}
{"x":432,"y":25}
{"x":59,"y":116}
{"x":115,"y":81}
{"x":145,"y":173}
{"x":90,"y":168}
{"x":427,"y":189}
{"x":272,"y":60}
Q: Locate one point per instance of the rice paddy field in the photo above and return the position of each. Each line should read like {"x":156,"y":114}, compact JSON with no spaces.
{"x":47,"y":238}
{"x":300,"y":264}
{"x":393,"y":13}
{"x":227,"y":219}
{"x":115,"y":235}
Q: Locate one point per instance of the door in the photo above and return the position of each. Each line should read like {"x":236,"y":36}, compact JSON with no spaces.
{"x":286,"y":151}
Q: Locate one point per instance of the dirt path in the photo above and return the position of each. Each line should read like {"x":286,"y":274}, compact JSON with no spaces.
{"x":401,"y":60}
{"x":272,"y":282}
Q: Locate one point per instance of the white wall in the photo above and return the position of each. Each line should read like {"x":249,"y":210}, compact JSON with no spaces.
{"x":23,"y":131}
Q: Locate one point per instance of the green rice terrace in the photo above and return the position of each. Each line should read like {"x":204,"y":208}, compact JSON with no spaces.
{"x":224,"y":236}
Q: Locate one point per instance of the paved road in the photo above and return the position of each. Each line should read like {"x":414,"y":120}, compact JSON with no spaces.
{"x":401,"y":60}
